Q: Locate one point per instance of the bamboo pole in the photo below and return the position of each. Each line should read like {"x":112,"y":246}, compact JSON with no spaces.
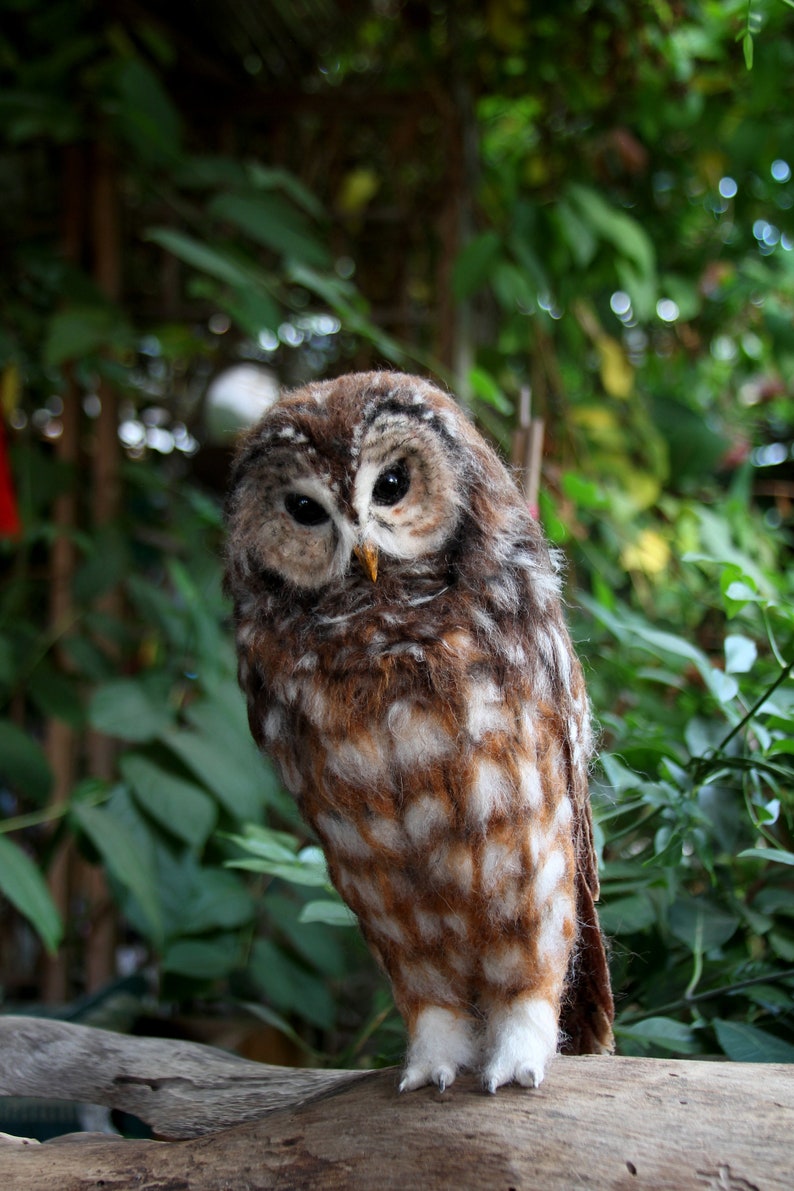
{"x":60,"y":740}
{"x":105,"y":508}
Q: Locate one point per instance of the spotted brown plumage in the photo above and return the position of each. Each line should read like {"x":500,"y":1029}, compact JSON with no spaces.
{"x":406,"y":664}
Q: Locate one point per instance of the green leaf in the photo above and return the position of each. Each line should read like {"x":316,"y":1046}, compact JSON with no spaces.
{"x":23,"y":764}
{"x":321,"y":949}
{"x":512,"y":287}
{"x":272,"y":222}
{"x":56,"y":695}
{"x":265,"y":844}
{"x":106,"y":564}
{"x":700,"y":923}
{"x":740,"y":654}
{"x":23,"y":885}
{"x":486,"y":389}
{"x":218,"y":900}
{"x":777,"y":855}
{"x":83,"y":330}
{"x":123,"y":859}
{"x":217,"y":262}
{"x":625,"y":234}
{"x":289,"y":987}
{"x":747,"y":49}
{"x":237,"y":776}
{"x":664,"y":1033}
{"x":194,"y":899}
{"x":586,"y":493}
{"x":630,"y":628}
{"x":280,"y":1023}
{"x":330,"y":913}
{"x":181,"y":806}
{"x":271,"y":177}
{"x":124,"y":708}
{"x":203,"y":959}
{"x":578,"y":235}
{"x":307,"y":868}
{"x":253,"y":309}
{"x":147,"y":118}
{"x":627,"y":915}
{"x":475,"y":263}
{"x":749,"y":1044}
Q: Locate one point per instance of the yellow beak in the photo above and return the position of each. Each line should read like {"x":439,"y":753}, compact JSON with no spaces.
{"x":367,"y":555}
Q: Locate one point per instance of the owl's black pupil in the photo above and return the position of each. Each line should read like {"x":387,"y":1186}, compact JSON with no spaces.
{"x":391,"y":485}
{"x":304,"y":510}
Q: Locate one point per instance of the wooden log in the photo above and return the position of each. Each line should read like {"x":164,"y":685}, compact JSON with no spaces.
{"x":596,"y":1122}
{"x":180,"y":1089}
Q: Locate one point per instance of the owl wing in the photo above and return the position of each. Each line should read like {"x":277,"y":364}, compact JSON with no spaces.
{"x":588,"y":1009}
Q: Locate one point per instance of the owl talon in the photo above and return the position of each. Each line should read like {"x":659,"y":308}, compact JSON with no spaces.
{"x":522,"y":1038}
{"x":441,"y":1043}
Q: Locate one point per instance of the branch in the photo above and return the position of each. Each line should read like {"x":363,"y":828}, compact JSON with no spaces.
{"x":596,"y":1122}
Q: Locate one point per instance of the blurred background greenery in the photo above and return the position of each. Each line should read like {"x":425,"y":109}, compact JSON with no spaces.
{"x":581,"y":218}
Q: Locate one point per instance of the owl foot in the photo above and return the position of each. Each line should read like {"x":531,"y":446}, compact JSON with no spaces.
{"x":441,"y":1043}
{"x":520,"y":1041}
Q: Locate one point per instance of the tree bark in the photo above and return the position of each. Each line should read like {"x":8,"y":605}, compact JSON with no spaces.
{"x":596,"y":1122}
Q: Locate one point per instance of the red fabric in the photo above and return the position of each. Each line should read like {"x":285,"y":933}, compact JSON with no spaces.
{"x":10,"y":524}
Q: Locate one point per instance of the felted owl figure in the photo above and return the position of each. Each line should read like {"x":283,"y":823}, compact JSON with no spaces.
{"x":406,"y":664}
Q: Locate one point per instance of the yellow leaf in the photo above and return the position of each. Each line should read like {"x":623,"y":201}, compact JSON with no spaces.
{"x":649,"y":553}
{"x":357,"y":190}
{"x":507,"y":23}
{"x":10,"y":389}
{"x":641,"y":487}
{"x":617,"y":374}
{"x":594,"y":417}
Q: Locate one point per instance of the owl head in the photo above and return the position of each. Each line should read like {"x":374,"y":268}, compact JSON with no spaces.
{"x":370,"y":474}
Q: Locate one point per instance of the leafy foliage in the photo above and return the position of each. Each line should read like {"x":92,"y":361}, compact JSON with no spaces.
{"x":694,"y":801}
{"x":623,"y":184}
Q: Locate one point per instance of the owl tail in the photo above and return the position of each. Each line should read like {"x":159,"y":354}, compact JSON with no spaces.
{"x":587,"y":1009}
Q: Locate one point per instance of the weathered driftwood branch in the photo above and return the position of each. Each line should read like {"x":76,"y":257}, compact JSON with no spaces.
{"x":180,"y":1089}
{"x":596,"y":1123}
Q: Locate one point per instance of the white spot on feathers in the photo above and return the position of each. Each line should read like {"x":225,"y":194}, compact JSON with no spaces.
{"x":530,"y":787}
{"x":344,"y":837}
{"x":387,"y":928}
{"x":424,"y":817}
{"x":549,"y":876}
{"x":360,"y":761}
{"x":418,"y":737}
{"x":425,"y":981}
{"x":500,"y":862}
{"x":486,"y":712}
{"x":504,"y":965}
{"x":489,"y":794}
{"x":386,"y":833}
{"x":551,"y":941}
{"x":452,"y":863}
{"x":273,"y":723}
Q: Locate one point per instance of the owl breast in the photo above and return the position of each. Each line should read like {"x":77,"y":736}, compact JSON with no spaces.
{"x":435,"y":781}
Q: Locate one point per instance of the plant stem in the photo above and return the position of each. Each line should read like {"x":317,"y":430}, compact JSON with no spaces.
{"x":723,"y":990}
{"x":47,"y":815}
{"x":744,"y":721}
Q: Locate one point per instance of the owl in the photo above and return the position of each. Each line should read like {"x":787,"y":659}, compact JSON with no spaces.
{"x":403,"y":653}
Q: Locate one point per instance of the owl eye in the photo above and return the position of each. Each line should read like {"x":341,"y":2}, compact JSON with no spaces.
{"x":391,"y":485}
{"x":304,"y":510}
